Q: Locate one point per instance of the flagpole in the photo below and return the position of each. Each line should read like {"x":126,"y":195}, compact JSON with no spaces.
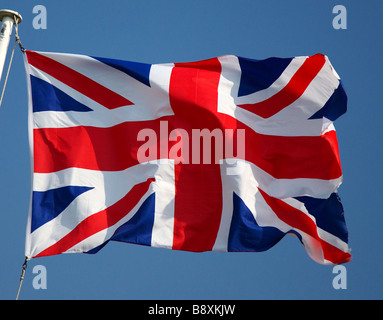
{"x":8,"y":17}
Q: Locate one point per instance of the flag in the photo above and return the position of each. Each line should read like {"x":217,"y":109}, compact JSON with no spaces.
{"x":226,"y":154}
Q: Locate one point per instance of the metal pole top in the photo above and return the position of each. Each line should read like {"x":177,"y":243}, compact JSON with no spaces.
{"x":11,"y":14}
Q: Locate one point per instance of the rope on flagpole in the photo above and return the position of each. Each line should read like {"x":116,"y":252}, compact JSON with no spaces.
{"x":22,"y":277}
{"x":17,"y":40}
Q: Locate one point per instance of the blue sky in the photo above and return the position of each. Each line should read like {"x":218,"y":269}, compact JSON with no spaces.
{"x":156,"y":31}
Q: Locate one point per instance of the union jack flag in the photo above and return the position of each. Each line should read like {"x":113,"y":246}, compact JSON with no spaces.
{"x":86,"y":115}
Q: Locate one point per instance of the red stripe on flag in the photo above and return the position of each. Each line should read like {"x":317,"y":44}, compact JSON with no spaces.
{"x":115,"y":148}
{"x":105,"y":149}
{"x":198,"y":195}
{"x":298,"y":220}
{"x":295,"y":157}
{"x":99,"y":221}
{"x":81,"y":147}
{"x":291,"y":92}
{"x":198,"y":206}
{"x":77,"y":81}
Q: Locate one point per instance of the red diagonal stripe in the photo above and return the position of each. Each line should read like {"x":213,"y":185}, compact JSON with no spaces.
{"x":77,"y":81}
{"x":291,"y":92}
{"x":298,"y":220}
{"x":99,"y":221}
